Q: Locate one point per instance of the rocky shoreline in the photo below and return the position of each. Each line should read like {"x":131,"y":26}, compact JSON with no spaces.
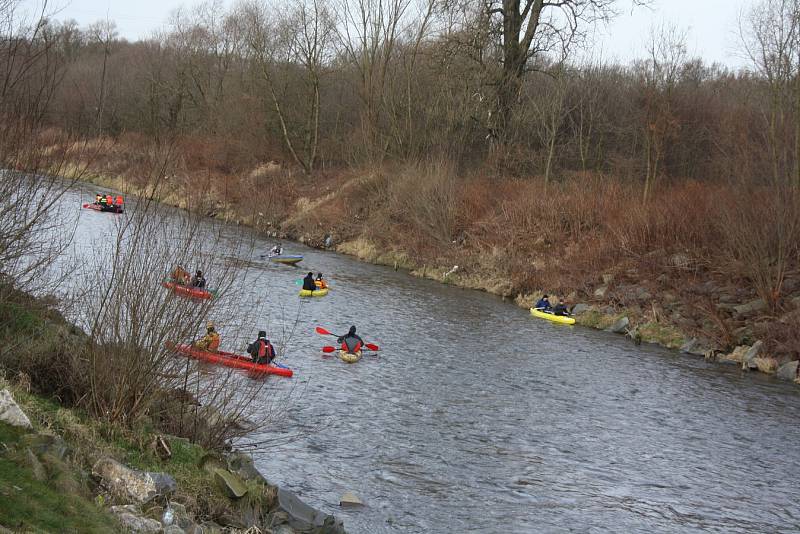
{"x":149,"y":501}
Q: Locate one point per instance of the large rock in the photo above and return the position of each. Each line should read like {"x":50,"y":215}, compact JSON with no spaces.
{"x":749,"y":360}
{"x":737,"y":355}
{"x":766,"y":365}
{"x":10,"y":413}
{"x":580,"y":308}
{"x":350,"y":499}
{"x":242,"y":464}
{"x":231,"y":484}
{"x":130,"y":517}
{"x":751,"y":307}
{"x":303,"y":517}
{"x":619,"y":327}
{"x":695,"y":346}
{"x":139,"y":486}
{"x":788,"y":371}
{"x":47,"y":444}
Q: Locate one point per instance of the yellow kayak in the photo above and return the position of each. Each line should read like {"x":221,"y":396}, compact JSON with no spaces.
{"x":350,"y":357}
{"x":563,"y":319}
{"x":317,"y":293}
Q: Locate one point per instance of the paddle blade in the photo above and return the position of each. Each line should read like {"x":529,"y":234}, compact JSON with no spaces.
{"x":371,"y":346}
{"x":298,"y":282}
{"x":329,"y":349}
{"x":324,"y":332}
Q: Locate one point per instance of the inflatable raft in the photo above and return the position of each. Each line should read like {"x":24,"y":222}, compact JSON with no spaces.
{"x":349,"y":357}
{"x":562,"y":319}
{"x":315,"y":293}
{"x":236,"y":361}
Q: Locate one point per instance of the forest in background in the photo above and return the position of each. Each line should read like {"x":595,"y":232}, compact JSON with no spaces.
{"x":437,"y":133}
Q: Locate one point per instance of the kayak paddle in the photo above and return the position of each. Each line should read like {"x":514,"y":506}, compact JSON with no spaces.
{"x":324,"y":332}
{"x":367,"y":346}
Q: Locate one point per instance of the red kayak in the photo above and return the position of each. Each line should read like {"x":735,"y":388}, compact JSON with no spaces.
{"x":232,"y":360}
{"x":188,"y":291}
{"x":107,"y":209}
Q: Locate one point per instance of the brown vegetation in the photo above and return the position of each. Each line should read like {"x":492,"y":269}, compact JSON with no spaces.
{"x":430,"y":135}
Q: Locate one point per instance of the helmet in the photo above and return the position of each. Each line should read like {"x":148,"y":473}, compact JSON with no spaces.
{"x":262,"y":333}
{"x":210,"y":325}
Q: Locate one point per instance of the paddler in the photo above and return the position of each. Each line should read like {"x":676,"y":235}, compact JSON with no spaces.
{"x":308,"y":283}
{"x":544,"y":304}
{"x":351,"y":342}
{"x":261,"y":349}
{"x":180,"y":275}
{"x":198,"y":280}
{"x":560,"y":308}
{"x":210,"y":341}
{"x":277,"y":250}
{"x":320,"y":282}
{"x":103,"y":201}
{"x":97,"y":197}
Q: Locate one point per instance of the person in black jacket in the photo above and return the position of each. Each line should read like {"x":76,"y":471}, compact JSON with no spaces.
{"x":308,"y":282}
{"x":261,"y":350}
{"x":351,"y":342}
{"x":560,"y":308}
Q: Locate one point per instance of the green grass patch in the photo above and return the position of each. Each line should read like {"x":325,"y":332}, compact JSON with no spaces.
{"x":597,"y":319}
{"x":31,"y":505}
{"x":663,"y":334}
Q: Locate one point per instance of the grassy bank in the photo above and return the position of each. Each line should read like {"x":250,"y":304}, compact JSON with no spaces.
{"x":46,"y":480}
{"x":693,"y":262}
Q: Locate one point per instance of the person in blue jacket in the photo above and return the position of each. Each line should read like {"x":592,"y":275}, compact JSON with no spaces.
{"x":543,"y":304}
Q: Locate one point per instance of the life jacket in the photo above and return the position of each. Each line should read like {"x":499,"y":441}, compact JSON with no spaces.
{"x":351,"y":344}
{"x":265,"y":349}
{"x":119,"y":201}
{"x":215,"y":341}
{"x":109,"y":200}
{"x":103,"y":200}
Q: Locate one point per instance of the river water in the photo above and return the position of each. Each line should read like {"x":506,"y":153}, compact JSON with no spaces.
{"x":477,"y":417}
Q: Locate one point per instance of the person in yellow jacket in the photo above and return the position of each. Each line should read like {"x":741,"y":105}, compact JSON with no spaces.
{"x":210,"y":341}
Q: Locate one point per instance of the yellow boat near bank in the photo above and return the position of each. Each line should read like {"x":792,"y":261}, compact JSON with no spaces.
{"x":562,"y":319}
{"x":316,"y":293}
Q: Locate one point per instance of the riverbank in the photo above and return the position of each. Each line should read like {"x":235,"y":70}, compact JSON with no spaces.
{"x":692,"y":269}
{"x":63,"y":469}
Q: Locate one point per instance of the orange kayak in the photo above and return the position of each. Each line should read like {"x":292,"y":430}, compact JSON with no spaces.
{"x":233,"y":360}
{"x":189,"y":291}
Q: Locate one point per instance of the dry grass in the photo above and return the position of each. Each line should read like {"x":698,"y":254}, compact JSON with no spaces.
{"x":514,"y":236}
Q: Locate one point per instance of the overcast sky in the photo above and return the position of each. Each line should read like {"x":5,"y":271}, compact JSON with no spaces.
{"x":712,"y":25}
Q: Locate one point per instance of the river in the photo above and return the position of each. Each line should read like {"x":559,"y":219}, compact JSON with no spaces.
{"x":477,"y":417}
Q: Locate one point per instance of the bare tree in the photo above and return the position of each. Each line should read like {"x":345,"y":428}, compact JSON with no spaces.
{"x":529,"y":28}
{"x":300,"y":39}
{"x":660,"y":74}
{"x":771,"y":37}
